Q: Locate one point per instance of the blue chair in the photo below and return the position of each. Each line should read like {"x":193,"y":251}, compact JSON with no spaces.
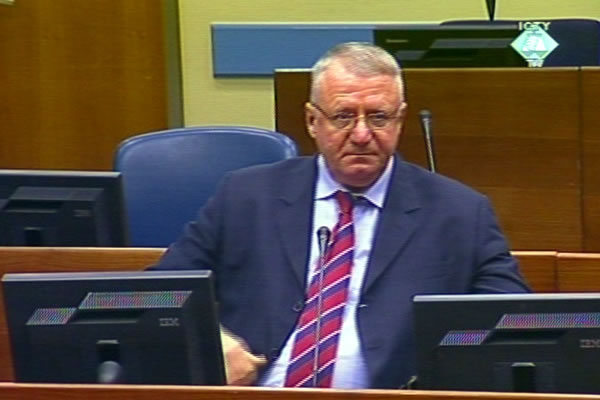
{"x":169,"y":175}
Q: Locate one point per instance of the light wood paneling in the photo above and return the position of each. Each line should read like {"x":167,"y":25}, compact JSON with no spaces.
{"x":539,"y":269}
{"x":538,"y":218}
{"x":578,"y":272}
{"x":590,"y":114}
{"x":76,"y":78}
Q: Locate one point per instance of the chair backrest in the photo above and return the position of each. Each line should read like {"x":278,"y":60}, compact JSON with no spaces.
{"x":169,"y":175}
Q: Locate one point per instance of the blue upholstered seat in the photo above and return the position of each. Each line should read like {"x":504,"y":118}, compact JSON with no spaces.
{"x":169,"y":175}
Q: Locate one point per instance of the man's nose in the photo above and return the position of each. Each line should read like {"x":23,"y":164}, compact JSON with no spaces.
{"x":361,"y":133}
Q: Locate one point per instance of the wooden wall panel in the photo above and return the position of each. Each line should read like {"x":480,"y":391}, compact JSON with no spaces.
{"x":76,"y":78}
{"x":503,"y":131}
{"x":539,"y":269}
{"x":578,"y":272}
{"x":590,"y":114}
{"x":292,"y":89}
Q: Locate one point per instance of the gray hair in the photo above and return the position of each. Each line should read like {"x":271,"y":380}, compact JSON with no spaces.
{"x":359,"y":58}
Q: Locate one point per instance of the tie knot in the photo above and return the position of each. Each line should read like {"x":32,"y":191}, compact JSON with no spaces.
{"x":345,"y":201}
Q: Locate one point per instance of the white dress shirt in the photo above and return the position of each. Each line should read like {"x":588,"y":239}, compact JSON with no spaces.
{"x":350,"y":370}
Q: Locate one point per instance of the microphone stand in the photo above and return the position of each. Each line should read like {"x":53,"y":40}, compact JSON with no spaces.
{"x":324,"y":234}
{"x":426,"y":117}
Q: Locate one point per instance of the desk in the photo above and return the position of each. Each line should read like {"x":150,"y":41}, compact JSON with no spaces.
{"x":578,"y":272}
{"x":539,"y":268}
{"x":12,"y":391}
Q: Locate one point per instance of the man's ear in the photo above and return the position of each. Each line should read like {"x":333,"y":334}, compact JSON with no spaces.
{"x":403,"y":109}
{"x":402,"y":116}
{"x":310,"y":119}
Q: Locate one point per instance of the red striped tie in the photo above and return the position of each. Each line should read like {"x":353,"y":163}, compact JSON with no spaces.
{"x":318,"y":330}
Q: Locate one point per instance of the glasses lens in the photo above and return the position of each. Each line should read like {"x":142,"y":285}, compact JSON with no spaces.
{"x":378,"y":120}
{"x":343,"y":122}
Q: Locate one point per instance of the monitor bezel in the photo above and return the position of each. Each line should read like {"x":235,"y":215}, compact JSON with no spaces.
{"x":25,"y":292}
{"x":467,"y":315}
{"x":111,"y":182}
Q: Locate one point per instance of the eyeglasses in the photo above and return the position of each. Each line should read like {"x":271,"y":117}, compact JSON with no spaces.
{"x":348,"y":120}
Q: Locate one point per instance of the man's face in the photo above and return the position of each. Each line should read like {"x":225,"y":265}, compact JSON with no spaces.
{"x":357,"y":154}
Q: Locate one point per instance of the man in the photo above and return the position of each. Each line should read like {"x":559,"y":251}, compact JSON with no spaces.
{"x":402,"y":231}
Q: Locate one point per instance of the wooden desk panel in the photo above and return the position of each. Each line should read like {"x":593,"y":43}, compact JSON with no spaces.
{"x":12,"y":391}
{"x":578,"y":272}
{"x":590,"y":114}
{"x":41,"y":259}
{"x":492,"y":132}
{"x":496,"y":102}
{"x":503,"y":131}
{"x":539,"y":269}
{"x":538,"y":218}
{"x":75,"y":259}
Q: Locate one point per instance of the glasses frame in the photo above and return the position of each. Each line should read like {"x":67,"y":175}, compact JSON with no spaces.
{"x":354,"y":121}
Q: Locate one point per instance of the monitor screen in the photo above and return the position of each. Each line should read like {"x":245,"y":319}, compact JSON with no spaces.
{"x":509,"y":342}
{"x":451,"y":46}
{"x":61,"y":208}
{"x":151,"y":327}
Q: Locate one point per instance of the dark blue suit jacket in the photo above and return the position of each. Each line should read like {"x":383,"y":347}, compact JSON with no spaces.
{"x":434,"y":235}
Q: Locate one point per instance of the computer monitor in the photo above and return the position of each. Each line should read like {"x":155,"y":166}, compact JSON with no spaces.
{"x":61,"y":208}
{"x":451,"y":46}
{"x":482,"y":43}
{"x":578,"y":39}
{"x":508,"y":342}
{"x":151,"y":327}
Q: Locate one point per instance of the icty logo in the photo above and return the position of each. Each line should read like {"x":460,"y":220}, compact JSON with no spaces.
{"x":534,"y":44}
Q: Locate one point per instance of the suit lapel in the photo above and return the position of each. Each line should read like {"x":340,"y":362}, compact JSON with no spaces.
{"x":293,"y":209}
{"x":398,"y":221}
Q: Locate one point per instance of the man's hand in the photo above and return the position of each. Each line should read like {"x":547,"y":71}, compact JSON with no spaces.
{"x":241,"y":366}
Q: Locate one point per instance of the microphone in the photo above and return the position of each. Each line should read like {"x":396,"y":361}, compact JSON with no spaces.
{"x":426,"y":117}
{"x":323,"y":234}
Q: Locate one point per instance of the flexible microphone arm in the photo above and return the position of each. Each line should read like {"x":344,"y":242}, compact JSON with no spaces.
{"x":491,"y":8}
{"x":426,"y":122}
{"x":324,"y":235}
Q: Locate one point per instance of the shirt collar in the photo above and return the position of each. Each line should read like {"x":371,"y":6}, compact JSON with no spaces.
{"x":327,"y":185}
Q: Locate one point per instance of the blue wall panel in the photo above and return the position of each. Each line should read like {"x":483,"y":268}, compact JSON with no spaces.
{"x":258,"y":49}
